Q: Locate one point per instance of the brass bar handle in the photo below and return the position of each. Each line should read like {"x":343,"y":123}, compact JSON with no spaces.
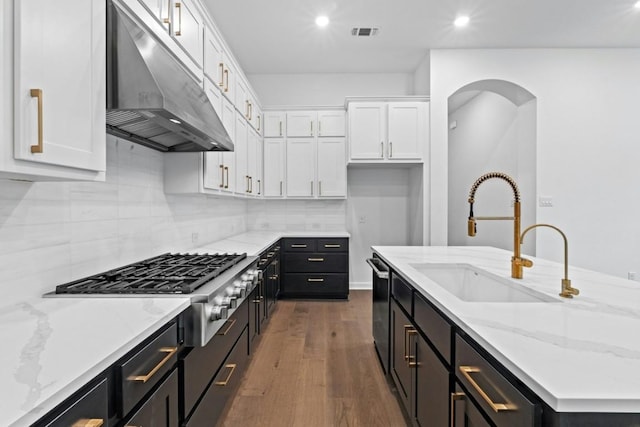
{"x":332,"y":246}
{"x":411,"y":332}
{"x":37,"y":93}
{"x":281,"y":188}
{"x":246,"y":109}
{"x":144,"y":378}
{"x":311,"y":123}
{"x":455,"y":397}
{"x":497,"y":407}
{"x":179,"y":7}
{"x":280,"y":127}
{"x":259,"y":187}
{"x":381,"y":150}
{"x":226,"y":170}
{"x":232,"y":368}
{"x":312,"y":188}
{"x":226,"y":79}
{"x":406,"y":354}
{"x":251,"y":184}
{"x":88,"y":422}
{"x":274,"y":277}
{"x":246,"y":178}
{"x":250,"y":111}
{"x":298,"y":246}
{"x":231,"y":322}
{"x":315,"y":280}
{"x":167,"y":20}
{"x":319,"y":188}
{"x":259,"y":122}
{"x":315,"y":259}
{"x":221,"y":176}
{"x":390,"y":149}
{"x":319,"y":128}
{"x":221,"y":65}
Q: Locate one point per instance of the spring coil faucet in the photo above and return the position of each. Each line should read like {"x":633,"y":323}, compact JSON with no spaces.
{"x":517,"y":262}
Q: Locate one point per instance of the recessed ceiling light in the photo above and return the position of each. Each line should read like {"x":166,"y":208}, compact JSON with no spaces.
{"x":637,"y":5}
{"x":461,"y":21}
{"x":178,"y":122}
{"x":322,"y":21}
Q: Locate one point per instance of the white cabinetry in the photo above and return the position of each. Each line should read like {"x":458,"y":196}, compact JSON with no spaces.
{"x":275,"y":124}
{"x":301,"y":167}
{"x":301,"y":124}
{"x":331,"y":123}
{"x":58,"y":127}
{"x":187,"y":28}
{"x":332,"y":167}
{"x":388,"y":131}
{"x":274,"y":167}
{"x":240,"y":151}
{"x":254,"y":163}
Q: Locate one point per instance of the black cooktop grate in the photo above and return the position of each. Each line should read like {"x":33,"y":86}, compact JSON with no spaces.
{"x":164,"y":274}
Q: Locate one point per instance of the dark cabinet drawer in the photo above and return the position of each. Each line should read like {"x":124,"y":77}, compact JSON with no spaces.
{"x":316,"y":284}
{"x":496,"y":396}
{"x":317,"y":263}
{"x":142,"y":371}
{"x":433,"y":325}
{"x":161,"y":409}
{"x":90,"y":407}
{"x":333,"y":245}
{"x":299,"y":244}
{"x":402,"y":292}
{"x":222,"y":387}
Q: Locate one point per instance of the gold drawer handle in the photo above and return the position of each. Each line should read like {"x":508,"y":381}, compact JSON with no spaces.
{"x":298,"y":246}
{"x":144,"y":378}
{"x":315,"y":259}
{"x":179,"y":7}
{"x":226,"y":331}
{"x":497,"y":407}
{"x":221,"y":83}
{"x":332,"y":246}
{"x":455,"y":397}
{"x":315,"y":280}
{"x":85,"y":422}
{"x":37,"y":93}
{"x":231,"y":367}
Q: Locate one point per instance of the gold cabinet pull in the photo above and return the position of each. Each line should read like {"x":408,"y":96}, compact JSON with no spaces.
{"x":230,"y":323}
{"x":226,"y":79}
{"x":312,"y":188}
{"x":315,"y":259}
{"x":88,"y":422}
{"x":259,"y":187}
{"x":179,"y":7}
{"x":37,"y":93}
{"x":246,"y":110}
{"x":250,"y":111}
{"x":455,"y":397}
{"x":406,"y":354}
{"x":280,"y":127}
{"x":332,"y":245}
{"x":381,"y":149}
{"x":311,"y":131}
{"x":226,"y":171}
{"x":319,"y":128}
{"x":231,"y":367}
{"x":246,"y":180}
{"x":281,"y":183}
{"x":497,"y":407}
{"x":298,"y":246}
{"x":251,"y":184}
{"x":411,"y":332}
{"x":221,"y":176}
{"x":167,"y":20}
{"x":315,"y":280}
{"x":259,"y":121}
{"x":390,"y":149}
{"x":221,"y":83}
{"x":170,"y":351}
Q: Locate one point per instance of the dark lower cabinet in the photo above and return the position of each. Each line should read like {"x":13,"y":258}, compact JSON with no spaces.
{"x":464,"y":412}
{"x":161,"y":409}
{"x":89,"y":407}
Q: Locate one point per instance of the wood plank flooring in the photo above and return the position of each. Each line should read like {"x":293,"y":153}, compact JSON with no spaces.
{"x":316,"y":366}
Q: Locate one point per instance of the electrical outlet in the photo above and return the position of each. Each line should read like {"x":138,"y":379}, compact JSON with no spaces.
{"x":545,"y":202}
{"x":362,"y":219}
{"x":632,"y":275}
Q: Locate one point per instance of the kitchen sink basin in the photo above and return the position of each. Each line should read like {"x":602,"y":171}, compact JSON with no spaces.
{"x":472,"y":284}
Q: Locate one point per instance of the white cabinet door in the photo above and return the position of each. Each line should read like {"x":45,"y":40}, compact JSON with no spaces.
{"x":213,"y":66}
{"x":60,"y":83}
{"x":301,"y":124}
{"x":187,"y":28}
{"x":367,"y":130}
{"x":240,"y":150}
{"x":214,"y":95}
{"x":253,"y":171}
{"x":332,"y":167}
{"x":214,"y":178}
{"x":274,"y":167}
{"x":228,"y":157}
{"x":331,"y":123}
{"x":228,"y":77}
{"x":241,"y":99}
{"x":274,"y":124}
{"x":406,"y":130}
{"x":155,"y":7}
{"x":301,"y":167}
{"x":229,"y":118}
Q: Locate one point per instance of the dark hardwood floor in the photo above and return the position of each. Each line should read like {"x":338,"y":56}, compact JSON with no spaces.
{"x":316,"y":366}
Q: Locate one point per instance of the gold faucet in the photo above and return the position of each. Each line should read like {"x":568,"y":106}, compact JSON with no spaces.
{"x":517,"y":262}
{"x":567,"y":290}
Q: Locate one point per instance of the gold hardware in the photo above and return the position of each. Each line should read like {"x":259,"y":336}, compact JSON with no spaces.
{"x":226,"y":79}
{"x":246,"y":181}
{"x":517,"y":262}
{"x":409,"y":333}
{"x":315,"y":280}
{"x":315,"y":259}
{"x":37,"y":93}
{"x":246,"y":114}
{"x":251,"y":184}
{"x":280,"y":127}
{"x":319,"y":128}
{"x":221,"y":84}
{"x":259,"y":187}
{"x":222,"y":176}
{"x":454,"y":397}
{"x":275,"y":277}
{"x":144,"y":378}
{"x":250,"y":111}
{"x":497,"y":407}
{"x":406,"y":354}
{"x":167,"y":20}
{"x":319,"y":188}
{"x":390,"y":149}
{"x":332,"y":246}
{"x":226,"y":170}
{"x":231,"y":367}
{"x":312,"y":188}
{"x":311,"y":133}
{"x":179,"y":7}
{"x":226,"y":331}
{"x":259,"y":122}
{"x":86,"y":422}
{"x":381,"y":149}
{"x":298,"y":246}
{"x":566,"y":291}
{"x":281,"y":188}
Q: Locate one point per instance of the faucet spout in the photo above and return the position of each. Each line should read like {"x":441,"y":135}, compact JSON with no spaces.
{"x":517,"y":262}
{"x":567,"y":290}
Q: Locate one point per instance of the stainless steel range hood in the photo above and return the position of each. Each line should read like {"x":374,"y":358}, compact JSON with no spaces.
{"x":151,"y":98}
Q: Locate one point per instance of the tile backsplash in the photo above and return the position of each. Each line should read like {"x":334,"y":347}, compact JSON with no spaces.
{"x":297,"y":215}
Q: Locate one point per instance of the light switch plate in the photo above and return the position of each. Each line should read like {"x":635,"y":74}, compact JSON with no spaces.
{"x":545,"y":202}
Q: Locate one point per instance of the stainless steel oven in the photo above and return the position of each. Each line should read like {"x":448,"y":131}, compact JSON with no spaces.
{"x":381,"y":295}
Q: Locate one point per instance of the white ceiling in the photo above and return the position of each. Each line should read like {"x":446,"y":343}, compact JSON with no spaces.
{"x":280,"y":36}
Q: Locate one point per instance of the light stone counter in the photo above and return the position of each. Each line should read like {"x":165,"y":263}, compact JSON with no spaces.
{"x":578,"y":355}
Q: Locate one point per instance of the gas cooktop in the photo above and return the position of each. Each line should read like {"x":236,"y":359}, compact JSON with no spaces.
{"x":164,"y":274}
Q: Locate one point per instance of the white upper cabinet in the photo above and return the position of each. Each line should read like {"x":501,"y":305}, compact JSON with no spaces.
{"x":274,"y":167}
{"x":406,"y":130}
{"x":367,"y":130}
{"x":301,"y":124}
{"x":187,"y":28}
{"x":301,"y":167}
{"x":59,"y":90}
{"x":332,"y":167}
{"x":241,"y":97}
{"x":240,"y":151}
{"x":212,"y":57}
{"x":331,"y":123}
{"x":275,"y":124}
{"x":254,"y":163}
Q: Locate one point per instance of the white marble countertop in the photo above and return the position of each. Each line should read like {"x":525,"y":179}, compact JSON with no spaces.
{"x":578,"y":355}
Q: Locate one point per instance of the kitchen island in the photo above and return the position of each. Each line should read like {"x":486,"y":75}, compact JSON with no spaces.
{"x":579,"y":355}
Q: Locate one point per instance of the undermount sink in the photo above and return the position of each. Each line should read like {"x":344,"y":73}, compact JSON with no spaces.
{"x":472,"y":284}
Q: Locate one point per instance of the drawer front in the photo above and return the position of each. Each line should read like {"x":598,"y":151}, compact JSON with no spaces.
{"x":141,"y":372}
{"x":161,"y":409}
{"x":222,"y":387}
{"x":316,"y":284}
{"x":203,"y":362}
{"x":402,"y":292}
{"x":333,"y":245}
{"x":90,"y":406}
{"x":317,"y":263}
{"x":434,"y":326}
{"x":299,"y":244}
{"x":497,"y":397}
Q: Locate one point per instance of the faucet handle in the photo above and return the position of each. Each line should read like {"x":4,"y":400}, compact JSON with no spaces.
{"x":471,"y":227}
{"x":567,"y":290}
{"x":526,"y":262}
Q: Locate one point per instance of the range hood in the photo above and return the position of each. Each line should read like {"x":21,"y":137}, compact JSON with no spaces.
{"x":151,"y":98}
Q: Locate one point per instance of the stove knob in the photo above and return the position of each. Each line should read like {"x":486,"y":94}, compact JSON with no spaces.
{"x":239,"y":291}
{"x":216,"y":312}
{"x":233,"y":302}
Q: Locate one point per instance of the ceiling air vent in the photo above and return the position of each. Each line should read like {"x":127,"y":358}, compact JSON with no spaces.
{"x":364,"y":31}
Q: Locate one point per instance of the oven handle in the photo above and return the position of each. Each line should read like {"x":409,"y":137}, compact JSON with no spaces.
{"x":144,"y":378}
{"x":380,"y":274}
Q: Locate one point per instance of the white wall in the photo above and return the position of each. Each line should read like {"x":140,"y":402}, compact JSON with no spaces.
{"x":587,"y":138}
{"x":421,"y":77}
{"x":297,"y":215}
{"x":326,"y":89}
{"x":54,"y":232}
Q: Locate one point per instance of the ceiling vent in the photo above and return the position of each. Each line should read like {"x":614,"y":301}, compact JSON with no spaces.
{"x":365,"y":31}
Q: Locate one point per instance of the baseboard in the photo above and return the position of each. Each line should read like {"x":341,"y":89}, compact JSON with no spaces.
{"x":360,"y":285}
